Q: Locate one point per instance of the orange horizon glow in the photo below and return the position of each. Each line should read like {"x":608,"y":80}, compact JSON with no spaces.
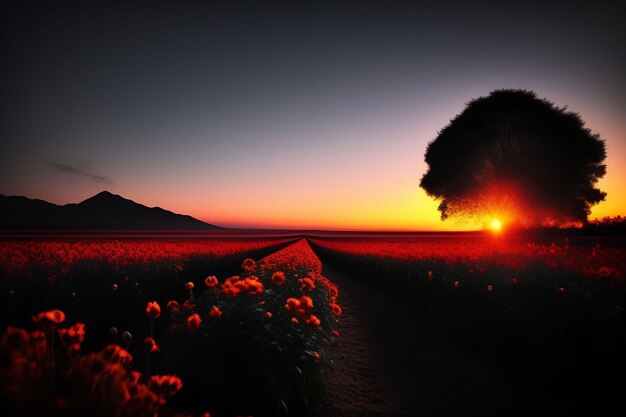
{"x":369,"y":187}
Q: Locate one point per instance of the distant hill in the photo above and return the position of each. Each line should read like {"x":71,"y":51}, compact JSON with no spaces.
{"x":104,"y":211}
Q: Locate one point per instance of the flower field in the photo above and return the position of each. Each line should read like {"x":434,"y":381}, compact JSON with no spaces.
{"x":25,"y":258}
{"x":549,"y":314}
{"x":256,"y":343}
{"x":254,"y":327}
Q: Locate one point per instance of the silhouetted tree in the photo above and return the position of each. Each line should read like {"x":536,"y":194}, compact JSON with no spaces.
{"x":514,"y":156}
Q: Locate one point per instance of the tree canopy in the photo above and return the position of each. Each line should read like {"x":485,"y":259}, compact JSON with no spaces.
{"x":515,"y":157}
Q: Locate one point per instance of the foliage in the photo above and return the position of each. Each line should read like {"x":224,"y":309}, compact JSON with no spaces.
{"x":513,"y":155}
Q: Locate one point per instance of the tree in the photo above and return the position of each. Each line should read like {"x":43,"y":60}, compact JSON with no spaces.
{"x":514,"y":157}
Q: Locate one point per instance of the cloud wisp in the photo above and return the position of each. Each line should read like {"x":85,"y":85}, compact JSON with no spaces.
{"x":85,"y":172}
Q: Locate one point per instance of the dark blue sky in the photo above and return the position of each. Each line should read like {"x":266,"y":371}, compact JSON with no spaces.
{"x":319,"y":113}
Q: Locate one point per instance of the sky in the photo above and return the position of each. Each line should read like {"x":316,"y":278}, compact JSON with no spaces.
{"x":313,"y":115}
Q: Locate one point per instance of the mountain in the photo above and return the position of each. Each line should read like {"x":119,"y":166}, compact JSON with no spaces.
{"x":104,"y":211}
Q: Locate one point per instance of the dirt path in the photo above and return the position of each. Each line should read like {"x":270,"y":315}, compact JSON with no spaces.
{"x":396,"y":364}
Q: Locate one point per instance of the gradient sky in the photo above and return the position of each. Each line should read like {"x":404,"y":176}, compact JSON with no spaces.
{"x":277,"y":115}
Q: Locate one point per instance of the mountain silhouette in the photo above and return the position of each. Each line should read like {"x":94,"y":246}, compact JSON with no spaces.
{"x":103,"y":211}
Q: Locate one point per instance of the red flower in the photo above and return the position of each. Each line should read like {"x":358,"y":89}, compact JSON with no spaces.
{"x":215,"y":312}
{"x":336,"y":333}
{"x":278,"y":278}
{"x":307,"y":302}
{"x":335,"y":309}
{"x":211,"y":281}
{"x":332,"y":289}
{"x":312,"y":320}
{"x":307,"y":284}
{"x":229,"y":287}
{"x":173,"y":306}
{"x":248,"y":264}
{"x":293,"y":304}
{"x":31,"y":344}
{"x":73,"y":337}
{"x":489,"y":288}
{"x":189,"y":285}
{"x":457,"y":284}
{"x":153,"y":310}
{"x":51,"y":317}
{"x":150,"y":345}
{"x":165,"y":386}
{"x":604,"y":272}
{"x":193,"y":322}
{"x":116,"y":354}
{"x":316,"y":356}
{"x":234,"y":285}
{"x":268,"y":315}
{"x":299,"y":306}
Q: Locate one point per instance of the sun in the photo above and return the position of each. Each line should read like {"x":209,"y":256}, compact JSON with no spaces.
{"x":496,"y":225}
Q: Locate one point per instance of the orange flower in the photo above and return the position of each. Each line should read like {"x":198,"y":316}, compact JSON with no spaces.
{"x":307,"y":284}
{"x":295,"y":320}
{"x":150,"y":345}
{"x":234,"y":285}
{"x":193,"y":322}
{"x":189,"y":285}
{"x":248,"y":264}
{"x":211,"y":281}
{"x":335,"y":309}
{"x":51,"y":317}
{"x":312,"y":320}
{"x":229,"y":287}
{"x":153,"y":310}
{"x":307,"y":302}
{"x":293,"y":304}
{"x":165,"y":386}
{"x":299,"y":306}
{"x":278,"y":278}
{"x":215,"y":312}
{"x":73,"y":337}
{"x":173,"y":306}
{"x":254,"y":286}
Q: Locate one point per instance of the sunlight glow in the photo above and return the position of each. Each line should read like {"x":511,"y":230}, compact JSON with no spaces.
{"x":496,"y":225}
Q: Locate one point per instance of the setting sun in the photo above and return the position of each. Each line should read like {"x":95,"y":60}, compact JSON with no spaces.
{"x":496,"y":225}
